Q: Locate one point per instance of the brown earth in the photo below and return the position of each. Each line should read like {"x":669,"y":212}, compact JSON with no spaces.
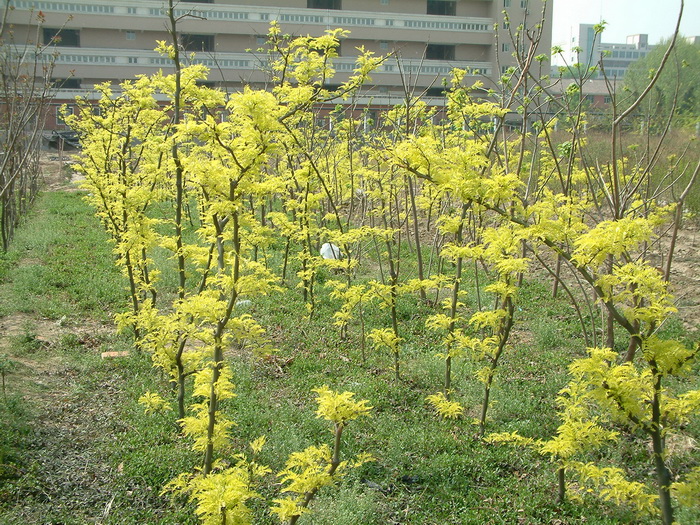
{"x":685,"y":275}
{"x":61,"y":473}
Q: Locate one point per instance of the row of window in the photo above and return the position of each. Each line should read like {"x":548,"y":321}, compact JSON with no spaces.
{"x":71,"y":38}
{"x":62,"y":6}
{"x":523,"y":3}
{"x":615,"y":73}
{"x":433,"y":7}
{"x":194,"y":42}
{"x":628,"y":54}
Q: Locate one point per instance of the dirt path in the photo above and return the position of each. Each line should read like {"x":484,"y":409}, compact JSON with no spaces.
{"x":70,"y":412}
{"x":685,"y":276}
{"x":70,"y":401}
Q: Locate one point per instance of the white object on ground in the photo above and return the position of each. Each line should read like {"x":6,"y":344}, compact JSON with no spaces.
{"x":331,"y":251}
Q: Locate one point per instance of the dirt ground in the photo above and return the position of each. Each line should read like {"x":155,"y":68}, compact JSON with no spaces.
{"x":58,"y":174}
{"x":58,"y":177}
{"x":685,"y":275}
{"x":63,"y":477}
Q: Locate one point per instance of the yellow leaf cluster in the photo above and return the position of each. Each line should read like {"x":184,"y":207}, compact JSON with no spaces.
{"x":444,"y":407}
{"x":339,"y":408}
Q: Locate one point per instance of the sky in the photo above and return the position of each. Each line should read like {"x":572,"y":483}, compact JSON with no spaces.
{"x":656,"y":18}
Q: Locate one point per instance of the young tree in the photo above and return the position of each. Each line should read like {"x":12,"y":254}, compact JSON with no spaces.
{"x":602,"y":225}
{"x":26,"y":66}
{"x":675,"y":95}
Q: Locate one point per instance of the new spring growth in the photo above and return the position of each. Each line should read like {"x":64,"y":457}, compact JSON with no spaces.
{"x":316,"y":467}
{"x":444,"y":407}
{"x":339,"y":408}
{"x":154,"y":403}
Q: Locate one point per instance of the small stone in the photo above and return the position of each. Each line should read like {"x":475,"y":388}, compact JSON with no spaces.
{"x":106,"y":355}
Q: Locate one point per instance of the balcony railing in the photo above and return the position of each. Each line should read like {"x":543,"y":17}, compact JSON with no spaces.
{"x":261,"y":14}
{"x":250,"y":62}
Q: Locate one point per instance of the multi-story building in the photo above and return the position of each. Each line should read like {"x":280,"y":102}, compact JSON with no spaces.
{"x":114,"y":40}
{"x":586,"y":48}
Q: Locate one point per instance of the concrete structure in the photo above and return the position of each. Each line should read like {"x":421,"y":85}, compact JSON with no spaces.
{"x":586,"y":48}
{"x":114,"y":40}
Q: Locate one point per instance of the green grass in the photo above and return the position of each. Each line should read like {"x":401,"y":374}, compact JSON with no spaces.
{"x":55,"y":268}
{"x":426,"y":470}
{"x":63,"y":457}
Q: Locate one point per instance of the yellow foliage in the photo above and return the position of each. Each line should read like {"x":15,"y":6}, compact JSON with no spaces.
{"x":610,"y":484}
{"x":687,"y":492}
{"x":444,"y":407}
{"x":153,"y":403}
{"x":339,"y":408}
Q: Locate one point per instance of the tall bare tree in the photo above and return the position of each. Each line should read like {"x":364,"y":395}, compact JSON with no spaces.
{"x":26,"y":66}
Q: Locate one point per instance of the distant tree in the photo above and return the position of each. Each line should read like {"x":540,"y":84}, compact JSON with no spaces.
{"x":25,"y":91}
{"x":676,"y":95}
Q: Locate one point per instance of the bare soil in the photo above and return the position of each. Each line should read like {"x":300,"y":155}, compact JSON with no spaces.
{"x":685,"y":275}
{"x":63,"y":476}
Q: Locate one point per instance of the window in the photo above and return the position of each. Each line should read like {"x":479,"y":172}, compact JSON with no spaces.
{"x":523,"y":4}
{"x":62,"y":37}
{"x":442,"y":7}
{"x":384,"y":2}
{"x":66,"y":83}
{"x":131,"y":35}
{"x":506,"y":3}
{"x":440,"y":52}
{"x":131,"y":10}
{"x":197,"y":42}
{"x":133,"y":60}
{"x":384,"y":45}
{"x":505,"y":47}
{"x":322,"y":122}
{"x":607,"y":99}
{"x":324,"y":4}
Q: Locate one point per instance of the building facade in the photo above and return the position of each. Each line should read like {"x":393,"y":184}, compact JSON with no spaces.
{"x":586,"y":48}
{"x":114,"y":40}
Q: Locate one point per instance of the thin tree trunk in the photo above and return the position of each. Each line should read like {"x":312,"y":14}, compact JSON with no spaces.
{"x":416,"y":233}
{"x":663,"y":475}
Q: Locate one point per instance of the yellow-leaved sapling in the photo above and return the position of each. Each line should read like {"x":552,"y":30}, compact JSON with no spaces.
{"x":580,"y":433}
{"x":316,"y":467}
{"x":154,"y":404}
{"x":222,"y":496}
{"x":604,"y":396}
